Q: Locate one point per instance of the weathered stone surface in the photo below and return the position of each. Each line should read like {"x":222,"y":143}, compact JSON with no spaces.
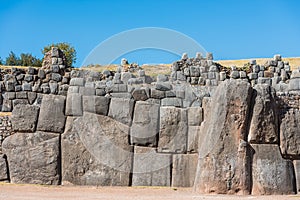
{"x":33,"y":157}
{"x":184,"y":168}
{"x":271,"y":174}
{"x":140,"y":94}
{"x":177,"y":102}
{"x":31,"y":97}
{"x":121,"y":110}
{"x":173,"y":130}
{"x":24,"y":118}
{"x":290,"y":133}
{"x":145,"y":125}
{"x":157,"y":94}
{"x":195,"y":116}
{"x":95,"y":151}
{"x":77,"y":82}
{"x":51,"y":117}
{"x":74,"y":104}
{"x":87,"y":91}
{"x":223,"y":152}
{"x":7,"y":105}
{"x":297,"y":174}
{"x":151,"y":168}
{"x":3,"y":168}
{"x":96,"y":104}
{"x":264,"y":122}
{"x":193,"y":137}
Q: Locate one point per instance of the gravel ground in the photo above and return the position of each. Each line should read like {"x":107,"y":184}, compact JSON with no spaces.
{"x":37,"y":192}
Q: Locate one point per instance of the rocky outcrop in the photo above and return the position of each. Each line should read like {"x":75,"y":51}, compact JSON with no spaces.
{"x":223,"y":148}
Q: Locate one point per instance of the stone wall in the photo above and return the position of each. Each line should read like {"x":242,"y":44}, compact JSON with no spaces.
{"x":204,"y":126}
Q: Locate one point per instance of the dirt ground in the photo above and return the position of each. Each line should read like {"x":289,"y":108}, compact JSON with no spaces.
{"x":37,"y":192}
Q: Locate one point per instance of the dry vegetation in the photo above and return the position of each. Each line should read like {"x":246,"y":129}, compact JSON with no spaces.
{"x":154,"y":70}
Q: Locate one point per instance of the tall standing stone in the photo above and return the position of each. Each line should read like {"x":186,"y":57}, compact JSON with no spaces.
{"x":52,"y":117}
{"x":223,"y":150}
{"x":264,"y":122}
{"x":145,"y":126}
{"x":121,"y":110}
{"x":173,"y":130}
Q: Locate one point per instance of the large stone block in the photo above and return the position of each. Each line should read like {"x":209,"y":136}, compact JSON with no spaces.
{"x":195,"y":116}
{"x":193,"y":137}
{"x":74,"y":104}
{"x":173,"y":130}
{"x":184,"y":168}
{"x":33,"y":158}
{"x":290,"y":133}
{"x":3,"y":168}
{"x":264,"y":122}
{"x":223,"y":150}
{"x":24,"y":118}
{"x":121,"y":110}
{"x":297,"y":174}
{"x":96,"y":104}
{"x":177,"y":102}
{"x":95,"y":151}
{"x":151,"y":168}
{"x":52,"y":117}
{"x":145,"y":126}
{"x":271,"y":174}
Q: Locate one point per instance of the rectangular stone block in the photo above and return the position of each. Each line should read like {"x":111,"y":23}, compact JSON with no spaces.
{"x":157,"y":94}
{"x":95,"y":151}
{"x":151,"y":168}
{"x":52,"y":117}
{"x":121,"y":110}
{"x":173,"y":130}
{"x":73,"y":89}
{"x":3,"y":168}
{"x":96,"y":104}
{"x":87,"y":91}
{"x":177,"y":102}
{"x":77,"y":82}
{"x":21,"y":95}
{"x":271,"y":173}
{"x":195,"y":116}
{"x":193,"y":137}
{"x":24,"y":118}
{"x":145,"y":126}
{"x":74,"y":104}
{"x":297,"y":174}
{"x":184,"y":168}
{"x":33,"y":158}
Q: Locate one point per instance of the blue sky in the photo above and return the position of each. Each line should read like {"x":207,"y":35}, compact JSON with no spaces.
{"x":230,"y":29}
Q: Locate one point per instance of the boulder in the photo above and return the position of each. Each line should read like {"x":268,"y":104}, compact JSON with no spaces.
{"x":151,"y":168}
{"x":173,"y":130}
{"x":184,"y":168}
{"x":145,"y":125}
{"x":140,"y":94}
{"x":290,"y":133}
{"x":95,"y":151}
{"x":74,"y":104}
{"x":96,"y":104}
{"x":24,"y":118}
{"x":264,"y":122}
{"x":121,"y":110}
{"x":223,"y":150}
{"x":52,"y":117}
{"x":271,"y":174}
{"x":33,"y":158}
